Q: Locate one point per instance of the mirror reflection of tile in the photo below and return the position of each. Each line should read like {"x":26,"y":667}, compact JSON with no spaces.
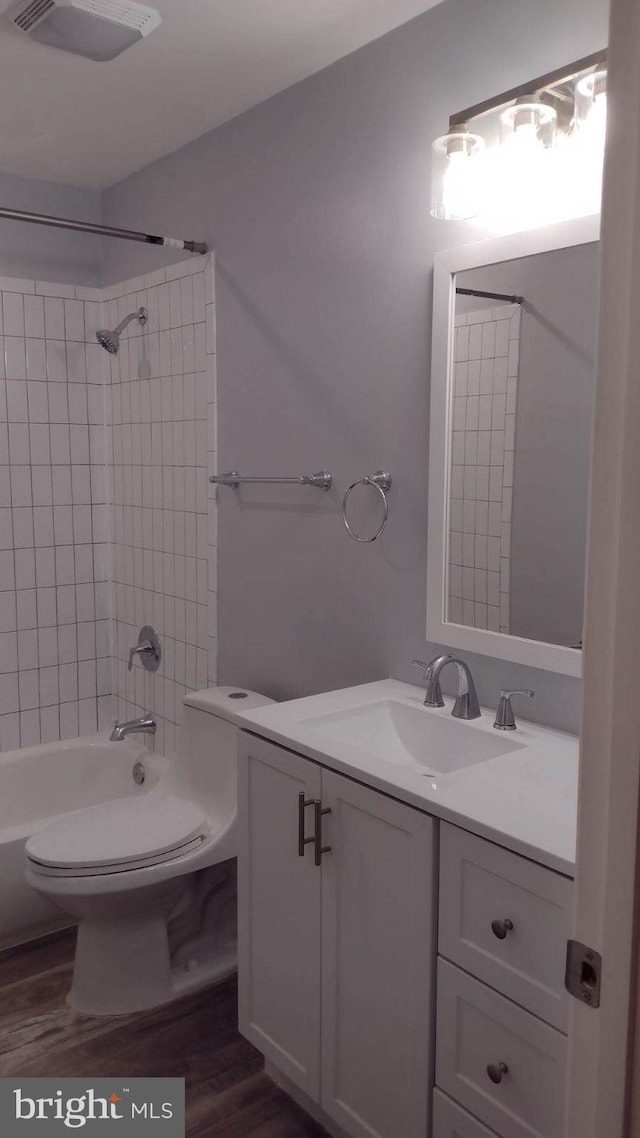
{"x":487,"y":344}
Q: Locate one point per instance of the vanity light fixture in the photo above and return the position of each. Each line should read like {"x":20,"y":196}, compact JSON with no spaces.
{"x":591,"y":105}
{"x":528,"y":124}
{"x":529,"y":155}
{"x":455,"y":162}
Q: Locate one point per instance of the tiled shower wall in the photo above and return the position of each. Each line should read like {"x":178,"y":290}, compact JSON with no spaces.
{"x":54,"y":654}
{"x":481,"y":486}
{"x":162,"y":415}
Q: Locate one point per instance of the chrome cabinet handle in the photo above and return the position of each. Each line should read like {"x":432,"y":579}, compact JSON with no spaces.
{"x":318,"y":846}
{"x":501,"y":928}
{"x":302,"y":806}
{"x":496,"y":1072}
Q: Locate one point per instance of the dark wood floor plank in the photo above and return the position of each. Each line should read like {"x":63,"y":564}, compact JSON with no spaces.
{"x":28,"y":960}
{"x":255,"y":1108}
{"x":195,"y":1038}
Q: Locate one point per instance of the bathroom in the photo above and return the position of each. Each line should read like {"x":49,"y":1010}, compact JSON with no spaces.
{"x":300,"y":342}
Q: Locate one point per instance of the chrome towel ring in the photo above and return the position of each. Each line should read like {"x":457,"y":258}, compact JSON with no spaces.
{"x":381,"y":481}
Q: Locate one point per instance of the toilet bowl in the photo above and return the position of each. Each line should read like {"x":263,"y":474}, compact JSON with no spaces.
{"x":139,"y":874}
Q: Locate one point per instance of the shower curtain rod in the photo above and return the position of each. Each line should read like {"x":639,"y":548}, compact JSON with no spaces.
{"x":490,"y":295}
{"x":101,"y":230}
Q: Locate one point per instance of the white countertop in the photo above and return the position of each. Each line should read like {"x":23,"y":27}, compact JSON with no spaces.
{"x":525,"y":799}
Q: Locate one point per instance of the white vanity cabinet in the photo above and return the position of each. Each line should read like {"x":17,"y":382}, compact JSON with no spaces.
{"x":502,"y":1007}
{"x":336,"y":960}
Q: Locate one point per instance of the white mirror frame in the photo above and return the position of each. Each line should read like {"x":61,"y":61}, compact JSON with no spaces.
{"x":552,"y":657}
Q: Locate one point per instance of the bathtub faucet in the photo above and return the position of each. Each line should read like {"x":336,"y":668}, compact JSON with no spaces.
{"x":145,"y":724}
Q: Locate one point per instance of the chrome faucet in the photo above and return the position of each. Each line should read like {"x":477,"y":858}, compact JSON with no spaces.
{"x":466,"y":705}
{"x":146,"y":724}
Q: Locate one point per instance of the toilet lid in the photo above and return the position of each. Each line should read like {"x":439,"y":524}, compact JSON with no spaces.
{"x":117,"y":833}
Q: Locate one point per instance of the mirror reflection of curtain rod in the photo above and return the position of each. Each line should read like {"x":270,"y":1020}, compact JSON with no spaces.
{"x":490,"y":295}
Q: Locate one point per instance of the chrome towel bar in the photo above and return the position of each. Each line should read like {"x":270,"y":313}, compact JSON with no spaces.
{"x":321,"y":480}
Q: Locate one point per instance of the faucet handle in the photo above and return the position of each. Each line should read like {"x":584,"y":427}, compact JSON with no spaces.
{"x":148,"y":649}
{"x":433,"y":697}
{"x":505,"y":719}
{"x":136,"y":652}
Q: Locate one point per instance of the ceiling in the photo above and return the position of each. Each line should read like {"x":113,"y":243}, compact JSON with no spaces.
{"x":71,"y":120}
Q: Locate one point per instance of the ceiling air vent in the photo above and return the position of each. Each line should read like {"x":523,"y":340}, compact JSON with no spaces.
{"x":97,"y":29}
{"x":29,"y":16}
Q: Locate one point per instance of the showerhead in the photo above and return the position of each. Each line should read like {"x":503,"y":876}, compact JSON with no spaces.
{"x":109,"y":340}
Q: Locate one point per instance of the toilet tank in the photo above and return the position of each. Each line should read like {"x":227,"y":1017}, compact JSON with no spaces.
{"x":206,"y":766}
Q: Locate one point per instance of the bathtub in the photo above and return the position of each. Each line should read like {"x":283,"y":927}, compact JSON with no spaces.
{"x":40,"y":784}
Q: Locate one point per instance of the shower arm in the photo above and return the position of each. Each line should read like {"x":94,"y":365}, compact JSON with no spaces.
{"x":139,"y":315}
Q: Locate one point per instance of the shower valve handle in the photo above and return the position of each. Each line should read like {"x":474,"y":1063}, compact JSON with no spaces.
{"x":148,"y":649}
{"x":141,"y":650}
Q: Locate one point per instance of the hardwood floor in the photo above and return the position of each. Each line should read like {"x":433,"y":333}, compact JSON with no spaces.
{"x":227,"y":1093}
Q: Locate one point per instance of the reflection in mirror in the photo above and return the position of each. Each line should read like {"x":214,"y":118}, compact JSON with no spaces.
{"x":521,"y":417}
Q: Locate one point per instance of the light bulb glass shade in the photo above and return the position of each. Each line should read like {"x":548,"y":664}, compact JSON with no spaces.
{"x":528,"y":125}
{"x":591,"y":107}
{"x":454,"y":175}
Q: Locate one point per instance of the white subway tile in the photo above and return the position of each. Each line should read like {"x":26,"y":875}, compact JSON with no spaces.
{"x":25,"y":562}
{"x":22,"y":518}
{"x":54,"y":319}
{"x":9,"y":732}
{"x":68,"y":720}
{"x":49,"y":724}
{"x":49,"y":288}
{"x":9,"y":698}
{"x":74,"y":320}
{"x":28,"y":689}
{"x":15,"y":357}
{"x":13,"y":313}
{"x":8,"y":652}
{"x":15,"y":284}
{"x":489,"y":340}
{"x":30,"y":728}
{"x":56,"y":361}
{"x":36,"y":359}
{"x":44,"y":604}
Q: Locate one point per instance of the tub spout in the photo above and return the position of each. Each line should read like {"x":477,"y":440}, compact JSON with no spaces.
{"x":146,"y":724}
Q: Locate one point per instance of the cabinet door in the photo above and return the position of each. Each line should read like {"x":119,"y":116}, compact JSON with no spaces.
{"x":278,"y":911}
{"x":377,"y":962}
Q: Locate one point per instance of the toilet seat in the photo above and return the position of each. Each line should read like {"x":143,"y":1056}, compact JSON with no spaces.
{"x":113,"y":837}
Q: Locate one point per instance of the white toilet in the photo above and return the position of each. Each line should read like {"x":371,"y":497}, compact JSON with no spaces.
{"x":144,"y":876}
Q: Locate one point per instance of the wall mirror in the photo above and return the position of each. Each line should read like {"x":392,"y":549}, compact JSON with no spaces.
{"x":512,"y":399}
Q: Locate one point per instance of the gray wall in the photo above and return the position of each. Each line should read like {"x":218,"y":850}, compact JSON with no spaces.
{"x":317,"y":205}
{"x":35,"y":251}
{"x":556,"y":386}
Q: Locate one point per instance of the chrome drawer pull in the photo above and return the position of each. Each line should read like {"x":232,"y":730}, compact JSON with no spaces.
{"x":302,"y":805}
{"x":496,"y":1071}
{"x":319,"y":849}
{"x":501,"y":928}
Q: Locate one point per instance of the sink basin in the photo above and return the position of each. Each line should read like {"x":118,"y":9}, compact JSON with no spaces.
{"x":410,"y":736}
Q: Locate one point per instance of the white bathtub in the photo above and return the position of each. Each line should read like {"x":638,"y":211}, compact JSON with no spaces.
{"x":37,"y":786}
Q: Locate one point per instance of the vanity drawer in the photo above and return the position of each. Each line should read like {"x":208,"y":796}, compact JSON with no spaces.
{"x":451,"y":1121}
{"x":480,"y":884}
{"x":476,"y":1030}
